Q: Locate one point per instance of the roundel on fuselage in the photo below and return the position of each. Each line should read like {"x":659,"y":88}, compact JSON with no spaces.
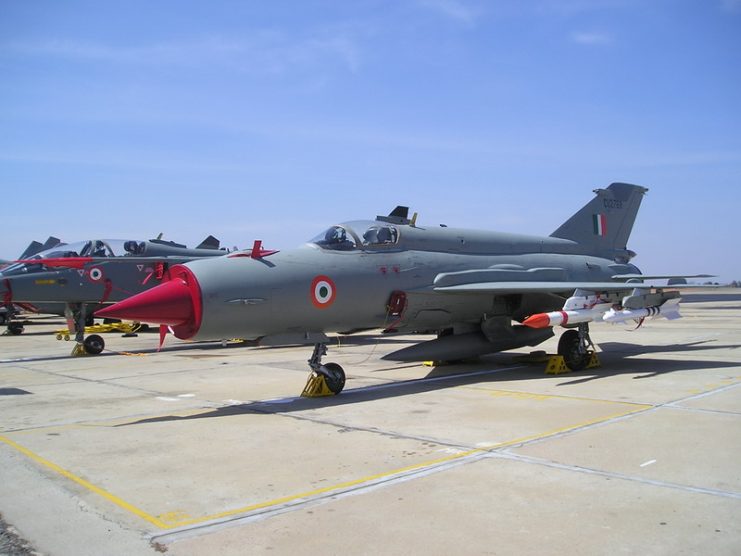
{"x":323,"y":292}
{"x":95,"y":274}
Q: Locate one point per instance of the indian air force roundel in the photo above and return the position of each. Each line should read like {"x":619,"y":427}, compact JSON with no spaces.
{"x":323,"y":292}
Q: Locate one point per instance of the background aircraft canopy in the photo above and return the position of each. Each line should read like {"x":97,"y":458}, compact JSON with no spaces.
{"x":88,"y":248}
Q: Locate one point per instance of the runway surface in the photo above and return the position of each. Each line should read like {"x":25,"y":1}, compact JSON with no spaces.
{"x":204,"y":449}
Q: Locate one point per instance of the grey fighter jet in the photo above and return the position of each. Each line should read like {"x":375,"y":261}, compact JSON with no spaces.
{"x":75,"y":279}
{"x":480,"y":291}
{"x":8,"y":310}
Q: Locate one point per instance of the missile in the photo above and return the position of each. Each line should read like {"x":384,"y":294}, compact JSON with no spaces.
{"x":669,"y":310}
{"x":575,"y":316}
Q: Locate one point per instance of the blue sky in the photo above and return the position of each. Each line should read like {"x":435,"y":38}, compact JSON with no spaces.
{"x":271,"y":120}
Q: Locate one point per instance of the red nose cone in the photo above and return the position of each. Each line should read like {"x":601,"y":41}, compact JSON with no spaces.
{"x":169,"y":303}
{"x":176,"y":303}
{"x":541,"y":320}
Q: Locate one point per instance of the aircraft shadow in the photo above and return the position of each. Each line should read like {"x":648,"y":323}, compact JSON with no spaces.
{"x":710,"y":297}
{"x":633,"y":349}
{"x":494,"y":369}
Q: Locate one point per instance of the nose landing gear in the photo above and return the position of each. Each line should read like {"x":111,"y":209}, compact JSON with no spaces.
{"x":326,"y":379}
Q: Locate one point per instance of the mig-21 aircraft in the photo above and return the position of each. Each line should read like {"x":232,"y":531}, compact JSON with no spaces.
{"x":75,"y":279}
{"x":481,"y":292}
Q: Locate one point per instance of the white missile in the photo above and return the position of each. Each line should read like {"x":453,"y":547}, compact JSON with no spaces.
{"x":565,"y":317}
{"x":669,"y":310}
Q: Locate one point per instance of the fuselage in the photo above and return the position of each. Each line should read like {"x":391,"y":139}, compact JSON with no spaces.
{"x":99,"y":271}
{"x":346,"y":281}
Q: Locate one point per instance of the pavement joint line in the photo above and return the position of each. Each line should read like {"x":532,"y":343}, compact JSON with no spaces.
{"x":104,"y":382}
{"x":298,"y":499}
{"x":614,"y":475}
{"x":114,"y":421}
{"x":703,"y":410}
{"x":281,"y":505}
{"x":555,"y":396}
{"x":356,"y":484}
{"x":370,"y":430}
{"x":710,"y":392}
{"x":201,"y":528}
{"x":647,"y":409}
{"x":398,"y":384}
{"x":83,"y":483}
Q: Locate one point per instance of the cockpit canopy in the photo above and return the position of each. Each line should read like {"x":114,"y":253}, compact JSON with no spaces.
{"x":89,"y":248}
{"x":361,"y":234}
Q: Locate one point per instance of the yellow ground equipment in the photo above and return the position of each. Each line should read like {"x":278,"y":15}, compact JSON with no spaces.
{"x":124,"y":327}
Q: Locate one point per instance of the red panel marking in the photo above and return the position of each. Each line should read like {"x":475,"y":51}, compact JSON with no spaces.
{"x":62,"y":262}
{"x":565,"y":317}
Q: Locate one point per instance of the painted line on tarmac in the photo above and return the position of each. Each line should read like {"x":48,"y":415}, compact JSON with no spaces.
{"x":267,"y":508}
{"x":195,"y":526}
{"x":539,"y":396}
{"x":296,"y":501}
{"x":263,"y":510}
{"x":615,"y":475}
{"x":83,"y":483}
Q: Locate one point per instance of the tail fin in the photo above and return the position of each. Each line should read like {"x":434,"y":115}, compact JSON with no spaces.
{"x":36,"y":247}
{"x":209,"y":243}
{"x":604,"y":224}
{"x":33,"y":248}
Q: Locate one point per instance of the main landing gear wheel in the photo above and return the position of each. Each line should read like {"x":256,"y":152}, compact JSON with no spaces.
{"x":15,"y":328}
{"x":93,"y":344}
{"x":574,"y":353}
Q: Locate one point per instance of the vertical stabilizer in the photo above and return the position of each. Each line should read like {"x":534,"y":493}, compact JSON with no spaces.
{"x":604,"y":224}
{"x":209,"y":243}
{"x":36,"y":247}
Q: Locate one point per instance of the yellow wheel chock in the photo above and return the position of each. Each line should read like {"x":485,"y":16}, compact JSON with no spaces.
{"x":556,"y":365}
{"x":78,"y":350}
{"x":594,"y":361}
{"x":316,"y":386}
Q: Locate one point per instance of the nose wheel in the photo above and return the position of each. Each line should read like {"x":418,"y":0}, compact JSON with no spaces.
{"x":326,"y":379}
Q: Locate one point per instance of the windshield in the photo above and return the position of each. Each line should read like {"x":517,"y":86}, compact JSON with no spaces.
{"x":357,"y":235}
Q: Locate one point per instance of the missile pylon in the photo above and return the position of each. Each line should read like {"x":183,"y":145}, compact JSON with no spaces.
{"x":669,"y":310}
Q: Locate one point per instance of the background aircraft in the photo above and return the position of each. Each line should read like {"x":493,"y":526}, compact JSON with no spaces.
{"x":9,"y":310}
{"x":74,"y":279}
{"x":473,"y":288}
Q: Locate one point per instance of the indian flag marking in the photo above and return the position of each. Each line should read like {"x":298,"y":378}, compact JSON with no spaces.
{"x":323,"y":292}
{"x":600,"y":224}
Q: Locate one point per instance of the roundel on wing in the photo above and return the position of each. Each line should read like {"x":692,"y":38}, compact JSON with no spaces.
{"x":323,"y":292}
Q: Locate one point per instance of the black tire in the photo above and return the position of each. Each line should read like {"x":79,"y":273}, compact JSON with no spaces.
{"x":3,"y":318}
{"x":94,"y":344}
{"x":15,"y":328}
{"x":568,"y":347}
{"x":334,"y":376}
